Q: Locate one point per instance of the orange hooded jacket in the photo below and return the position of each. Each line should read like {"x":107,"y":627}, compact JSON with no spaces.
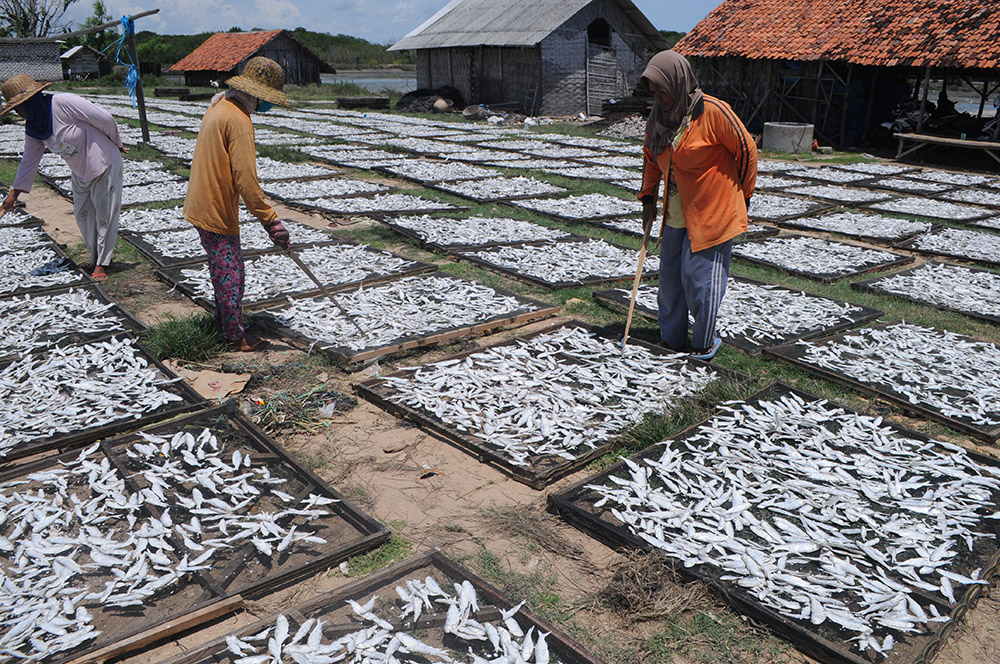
{"x":715,"y":166}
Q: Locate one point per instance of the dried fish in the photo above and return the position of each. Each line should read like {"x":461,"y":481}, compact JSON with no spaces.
{"x":390,"y":312}
{"x":587,"y":206}
{"x":634,"y":161}
{"x":974,"y":196}
{"x":424,"y":146}
{"x":821,"y":514}
{"x":16,"y":238}
{"x":436,"y":171}
{"x":925,"y":207}
{"x":472,"y":231}
{"x":498,"y":188}
{"x":159,"y":219}
{"x":813,"y":257}
{"x":186,"y":243}
{"x":826,"y":174}
{"x":305,"y":189}
{"x":946,"y":177}
{"x":15,"y":217}
{"x":772,"y":207}
{"x":565,"y":262}
{"x":910,"y":186}
{"x":960,"y":243}
{"x":378,"y":203}
{"x":945,"y":285}
{"x":874,"y":168}
{"x":271,"y":169}
{"x":857,"y":224}
{"x":938,"y":370}
{"x":34,"y":321}
{"x":156,"y":192}
{"x":766,"y":182}
{"x":837,"y":194}
{"x":36,"y":268}
{"x":561,"y":393}
{"x":765,"y":314}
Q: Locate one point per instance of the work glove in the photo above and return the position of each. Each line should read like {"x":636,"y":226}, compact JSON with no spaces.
{"x":278,"y":234}
{"x":648,"y":214}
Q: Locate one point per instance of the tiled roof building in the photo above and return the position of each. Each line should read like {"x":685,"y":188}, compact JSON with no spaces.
{"x":839,"y":64}
{"x":224,"y":54}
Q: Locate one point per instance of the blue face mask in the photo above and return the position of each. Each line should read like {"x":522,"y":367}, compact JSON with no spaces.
{"x":264,"y":106}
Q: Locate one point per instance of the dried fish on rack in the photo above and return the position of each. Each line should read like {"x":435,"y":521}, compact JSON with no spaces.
{"x":499,"y":188}
{"x":186,"y":243}
{"x":826,"y":174}
{"x":37,"y":268}
{"x":952,"y":287}
{"x":772,"y":166}
{"x":827,"y":517}
{"x":586,"y":206}
{"x":974,"y":196}
{"x":954,"y":376}
{"x":272,"y":169}
{"x":16,"y":217}
{"x":448,"y":232}
{"x":17,"y":238}
{"x":156,"y":192}
{"x":772,"y":207}
{"x":856,"y":224}
{"x":270,"y":276}
{"x":909,"y":186}
{"x":607,"y":173}
{"x":305,"y":189}
{"x":438,"y":171}
{"x":925,"y":207}
{"x":768,"y":182}
{"x":378,"y":203}
{"x":959,"y":243}
{"x":425,"y":146}
{"x":757,"y":315}
{"x":484,"y":155}
{"x":562,"y":152}
{"x":392,"y":311}
{"x":78,"y":387}
{"x":564,"y":263}
{"x":946,"y":177}
{"x":155,"y":219}
{"x":560,"y":393}
{"x":991,"y":224}
{"x":206,"y":497}
{"x":815,"y":258}
{"x":838,"y":194}
{"x":874,"y":168}
{"x":37,"y":320}
{"x":617,"y":161}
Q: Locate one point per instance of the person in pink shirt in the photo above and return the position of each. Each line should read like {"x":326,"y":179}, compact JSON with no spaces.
{"x":86,"y":137}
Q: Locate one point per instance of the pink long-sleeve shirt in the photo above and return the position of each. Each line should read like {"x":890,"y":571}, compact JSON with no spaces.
{"x":83,"y":134}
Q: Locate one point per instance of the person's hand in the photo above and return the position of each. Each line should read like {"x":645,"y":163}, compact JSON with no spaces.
{"x":648,"y":216}
{"x":748,"y":204}
{"x":124,"y":149}
{"x":278,"y":234}
{"x":9,"y":202}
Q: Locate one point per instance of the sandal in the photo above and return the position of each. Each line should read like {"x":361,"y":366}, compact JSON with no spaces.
{"x":249,"y":345}
{"x":706,"y":354}
{"x":99,"y":276}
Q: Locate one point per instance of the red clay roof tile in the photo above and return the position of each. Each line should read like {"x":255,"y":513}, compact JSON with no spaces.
{"x":224,"y":50}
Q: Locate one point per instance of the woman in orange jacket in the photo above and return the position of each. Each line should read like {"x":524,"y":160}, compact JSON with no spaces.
{"x":707,"y":160}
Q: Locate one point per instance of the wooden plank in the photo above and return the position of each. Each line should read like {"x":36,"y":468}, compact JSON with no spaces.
{"x":162,"y":631}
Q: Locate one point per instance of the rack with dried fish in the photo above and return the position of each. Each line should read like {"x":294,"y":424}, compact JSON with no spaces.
{"x":39,"y":269}
{"x":400,"y":315}
{"x":603,"y":173}
{"x":18,"y":217}
{"x":157,"y":192}
{"x":177,"y":517}
{"x":272,"y":170}
{"x":754,"y":314}
{"x":984,"y":197}
{"x":941,"y":375}
{"x":773,"y":207}
{"x":377,"y":204}
{"x":178,"y":247}
{"x":926,"y":207}
{"x":974,"y":293}
{"x":991,"y":224}
{"x":424,"y":609}
{"x":776,"y":182}
{"x":426,"y":172}
{"x":76,"y":393}
{"x":35,"y":321}
{"x":487,"y":190}
{"x":856,"y":539}
{"x":452,"y":234}
{"x":292,"y":191}
{"x":960,"y":243}
{"x":815,"y":258}
{"x":837,"y":194}
{"x":563,"y":263}
{"x":581,"y":207}
{"x":23,"y":237}
{"x":542,"y":405}
{"x":909,"y":186}
{"x":273,"y":277}
{"x":871,"y":227}
{"x":827,"y":174}
{"x":957,"y":179}
{"x":139,"y":220}
{"x":872,"y":168}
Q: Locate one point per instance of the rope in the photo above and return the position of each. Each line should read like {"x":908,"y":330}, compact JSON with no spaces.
{"x":132,"y":77}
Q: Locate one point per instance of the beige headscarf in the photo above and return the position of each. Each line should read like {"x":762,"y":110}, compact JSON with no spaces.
{"x":671,"y":71}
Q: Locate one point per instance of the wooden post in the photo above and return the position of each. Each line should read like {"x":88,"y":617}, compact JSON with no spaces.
{"x":923,"y":99}
{"x":847,"y":100}
{"x":134,"y":54}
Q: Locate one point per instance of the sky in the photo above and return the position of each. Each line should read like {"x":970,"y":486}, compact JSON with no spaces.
{"x":379,"y":22}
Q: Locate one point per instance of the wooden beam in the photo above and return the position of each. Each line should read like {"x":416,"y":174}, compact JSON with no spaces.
{"x":163,"y":630}
{"x":847,"y":100}
{"x":140,"y":99}
{"x":78,"y":33}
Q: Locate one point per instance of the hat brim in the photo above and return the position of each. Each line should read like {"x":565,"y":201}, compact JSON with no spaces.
{"x":244,"y":84}
{"x":24,"y":96}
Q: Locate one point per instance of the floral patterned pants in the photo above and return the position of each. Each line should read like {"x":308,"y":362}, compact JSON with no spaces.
{"x":225,"y":265}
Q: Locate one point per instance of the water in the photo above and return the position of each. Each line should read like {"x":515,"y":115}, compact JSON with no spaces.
{"x":374,"y":81}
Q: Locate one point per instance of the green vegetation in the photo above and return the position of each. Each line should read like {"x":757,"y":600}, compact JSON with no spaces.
{"x":190,"y":339}
{"x":393,"y":551}
{"x":671,"y":36}
{"x":716,"y":637}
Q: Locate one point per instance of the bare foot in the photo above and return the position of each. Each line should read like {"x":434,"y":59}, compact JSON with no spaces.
{"x":249,"y":344}
{"x":99,"y":274}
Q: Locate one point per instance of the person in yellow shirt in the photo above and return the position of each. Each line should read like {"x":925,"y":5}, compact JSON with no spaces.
{"x":223,"y":170}
{"x":707,"y":161}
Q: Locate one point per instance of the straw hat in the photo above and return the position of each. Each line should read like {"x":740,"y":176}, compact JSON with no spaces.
{"x":18,"y":89}
{"x":262,"y":78}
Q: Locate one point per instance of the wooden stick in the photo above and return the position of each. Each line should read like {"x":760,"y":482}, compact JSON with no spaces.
{"x":162,"y":631}
{"x":635,"y":284}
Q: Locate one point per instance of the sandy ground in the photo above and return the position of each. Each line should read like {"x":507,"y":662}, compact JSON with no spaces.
{"x":435,"y":495}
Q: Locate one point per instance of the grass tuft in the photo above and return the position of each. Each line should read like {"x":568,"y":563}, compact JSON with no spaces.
{"x":190,"y":339}
{"x":393,"y":551}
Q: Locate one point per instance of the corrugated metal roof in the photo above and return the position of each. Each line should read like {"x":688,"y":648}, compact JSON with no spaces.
{"x":507,"y":23}
{"x":914,"y":33}
{"x":224,"y":50}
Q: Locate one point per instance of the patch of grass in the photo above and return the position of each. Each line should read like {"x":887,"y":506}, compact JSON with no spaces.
{"x":190,"y":339}
{"x":537,"y":587}
{"x":393,"y":551}
{"x":716,"y":637}
{"x":534,"y":525}
{"x":281,"y":153}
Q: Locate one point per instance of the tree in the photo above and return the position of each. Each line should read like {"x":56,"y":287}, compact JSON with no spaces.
{"x":96,"y":40}
{"x":32,"y":18}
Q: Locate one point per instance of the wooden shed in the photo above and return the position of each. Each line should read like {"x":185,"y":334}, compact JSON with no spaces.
{"x":224,"y":55}
{"x":34,"y":57}
{"x":550,"y":57}
{"x":83,"y":62}
{"x":842,"y":65}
